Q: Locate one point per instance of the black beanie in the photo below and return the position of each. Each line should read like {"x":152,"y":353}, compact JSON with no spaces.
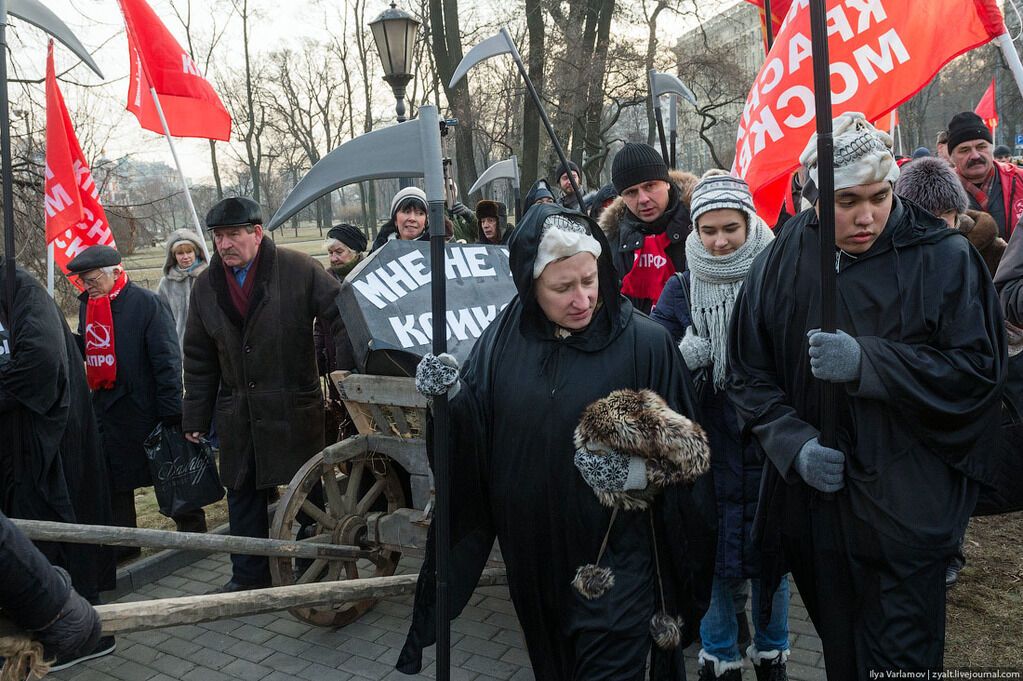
{"x":349,"y":235}
{"x":965,"y":127}
{"x":637,"y":163}
{"x":560,"y":170}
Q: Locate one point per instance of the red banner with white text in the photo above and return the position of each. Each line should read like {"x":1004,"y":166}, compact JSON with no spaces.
{"x":75,"y":218}
{"x":882,"y":53}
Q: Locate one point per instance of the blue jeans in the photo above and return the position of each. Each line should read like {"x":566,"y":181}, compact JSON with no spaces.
{"x":719,"y":631}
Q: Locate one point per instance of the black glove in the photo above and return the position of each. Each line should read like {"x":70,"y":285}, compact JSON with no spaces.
{"x":77,"y":627}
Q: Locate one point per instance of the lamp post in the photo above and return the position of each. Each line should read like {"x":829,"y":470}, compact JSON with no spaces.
{"x":394,"y":32}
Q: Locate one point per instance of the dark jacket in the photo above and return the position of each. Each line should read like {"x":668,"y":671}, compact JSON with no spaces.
{"x":735,"y":467}
{"x":333,"y":354}
{"x":58,"y":471}
{"x":258,"y":373}
{"x":626,"y":232}
{"x":1009,"y":279}
{"x":148,"y":385}
{"x":918,"y":425}
{"x":513,"y":479}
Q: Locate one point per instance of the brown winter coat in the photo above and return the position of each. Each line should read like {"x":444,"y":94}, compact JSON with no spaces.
{"x":982,"y":231}
{"x":264,"y":366}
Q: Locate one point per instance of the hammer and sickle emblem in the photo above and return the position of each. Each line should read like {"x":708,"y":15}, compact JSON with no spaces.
{"x":97,"y":337}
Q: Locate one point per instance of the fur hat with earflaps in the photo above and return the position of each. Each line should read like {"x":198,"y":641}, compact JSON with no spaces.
{"x":674,"y":449}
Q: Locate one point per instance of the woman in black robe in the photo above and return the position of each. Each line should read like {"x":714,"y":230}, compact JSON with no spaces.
{"x":51,"y":466}
{"x":523,"y":389}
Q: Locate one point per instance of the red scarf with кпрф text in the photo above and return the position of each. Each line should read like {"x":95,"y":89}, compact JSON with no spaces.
{"x":100,"y":357}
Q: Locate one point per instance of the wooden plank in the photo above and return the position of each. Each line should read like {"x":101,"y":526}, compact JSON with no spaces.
{"x":121,"y":618}
{"x":41,"y":530}
{"x":380,"y":422}
{"x":398,"y":414}
{"x":382,"y":390}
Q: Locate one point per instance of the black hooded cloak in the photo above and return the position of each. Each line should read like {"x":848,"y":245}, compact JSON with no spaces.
{"x":916,"y":427}
{"x":513,"y":479}
{"x":59,"y":472}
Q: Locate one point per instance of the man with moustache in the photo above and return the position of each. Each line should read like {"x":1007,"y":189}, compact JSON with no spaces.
{"x":249,"y":359}
{"x":992,"y":186}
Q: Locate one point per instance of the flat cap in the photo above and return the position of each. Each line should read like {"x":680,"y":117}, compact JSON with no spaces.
{"x":234,"y":211}
{"x":93,"y":258}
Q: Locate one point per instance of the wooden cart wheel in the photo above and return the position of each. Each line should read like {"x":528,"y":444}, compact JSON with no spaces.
{"x":351,"y":488}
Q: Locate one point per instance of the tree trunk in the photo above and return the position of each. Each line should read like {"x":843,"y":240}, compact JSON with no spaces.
{"x":530,"y":116}
{"x":447,"y":51}
{"x":216,"y":170}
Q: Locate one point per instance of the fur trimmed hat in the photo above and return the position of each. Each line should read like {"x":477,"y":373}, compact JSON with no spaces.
{"x":932,"y":184}
{"x":491,"y":209}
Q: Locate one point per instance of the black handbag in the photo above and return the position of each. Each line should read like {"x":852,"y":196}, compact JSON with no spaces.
{"x":184,"y":473}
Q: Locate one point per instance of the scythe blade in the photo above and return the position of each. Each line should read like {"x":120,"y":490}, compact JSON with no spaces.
{"x":379,"y":154}
{"x":35,"y":13}
{"x":506,"y":169}
{"x":668,"y":83}
{"x":491,"y":47}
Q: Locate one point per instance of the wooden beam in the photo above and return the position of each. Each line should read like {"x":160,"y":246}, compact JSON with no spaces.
{"x":40,"y":530}
{"x":122,"y":618}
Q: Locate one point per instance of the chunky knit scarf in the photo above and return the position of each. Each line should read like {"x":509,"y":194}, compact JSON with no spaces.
{"x":716,"y":281}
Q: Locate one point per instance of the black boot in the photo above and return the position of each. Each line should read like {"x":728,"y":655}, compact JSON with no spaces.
{"x":771,"y":670}
{"x":707,"y":673}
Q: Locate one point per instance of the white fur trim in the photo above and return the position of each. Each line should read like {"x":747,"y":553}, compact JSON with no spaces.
{"x":758,"y":656}
{"x":559,"y":243}
{"x":720,"y":666}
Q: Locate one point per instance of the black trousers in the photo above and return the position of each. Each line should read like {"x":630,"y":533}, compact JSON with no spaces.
{"x":876,"y":603}
{"x":31,"y":592}
{"x":246,"y":511}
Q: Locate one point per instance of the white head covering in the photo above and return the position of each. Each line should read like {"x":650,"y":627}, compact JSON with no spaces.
{"x":863,"y":154}
{"x":562,"y":237}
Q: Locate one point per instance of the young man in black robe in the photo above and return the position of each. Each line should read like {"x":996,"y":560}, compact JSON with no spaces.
{"x":566,"y":341}
{"x":919,"y":358}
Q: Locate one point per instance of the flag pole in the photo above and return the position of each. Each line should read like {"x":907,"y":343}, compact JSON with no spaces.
{"x":825,"y":200}
{"x":181,"y":173}
{"x":1004,"y":42}
{"x":49,"y":268}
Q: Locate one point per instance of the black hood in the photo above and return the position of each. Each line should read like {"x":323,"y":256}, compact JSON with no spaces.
{"x":613,"y":310}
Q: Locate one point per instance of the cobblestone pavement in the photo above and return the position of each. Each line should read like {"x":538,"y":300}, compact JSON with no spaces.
{"x":486,"y":642}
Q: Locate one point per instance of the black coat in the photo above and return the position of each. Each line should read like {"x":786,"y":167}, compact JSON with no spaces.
{"x":59,"y":472}
{"x":513,"y":478}
{"x":735,"y":465}
{"x":148,"y":385}
{"x":258,"y":373}
{"x":917,"y":426}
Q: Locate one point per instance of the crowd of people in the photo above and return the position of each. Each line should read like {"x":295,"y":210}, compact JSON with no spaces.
{"x":650,"y":399}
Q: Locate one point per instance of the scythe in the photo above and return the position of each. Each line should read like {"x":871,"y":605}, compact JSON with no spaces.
{"x":502,"y":43}
{"x":409,"y":149}
{"x":506,"y":169}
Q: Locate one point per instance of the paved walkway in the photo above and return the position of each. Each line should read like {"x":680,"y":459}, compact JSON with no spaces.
{"x":486,"y":641}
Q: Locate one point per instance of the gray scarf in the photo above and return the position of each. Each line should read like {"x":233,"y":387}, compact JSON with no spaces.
{"x":715,"y":284}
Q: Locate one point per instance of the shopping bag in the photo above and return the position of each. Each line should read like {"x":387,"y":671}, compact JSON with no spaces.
{"x":184,"y":473}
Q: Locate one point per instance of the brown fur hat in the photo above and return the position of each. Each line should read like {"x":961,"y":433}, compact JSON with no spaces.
{"x":642,"y":424}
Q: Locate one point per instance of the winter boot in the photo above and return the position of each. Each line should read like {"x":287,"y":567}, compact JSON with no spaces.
{"x":713,"y":669}
{"x":769,"y":665}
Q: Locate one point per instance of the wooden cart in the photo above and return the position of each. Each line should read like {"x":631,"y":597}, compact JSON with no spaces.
{"x":371,"y":490}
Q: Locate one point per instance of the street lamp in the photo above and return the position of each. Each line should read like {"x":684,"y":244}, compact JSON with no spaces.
{"x":394,"y":32}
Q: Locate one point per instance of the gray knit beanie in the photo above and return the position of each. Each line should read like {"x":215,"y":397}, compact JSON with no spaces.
{"x":714,"y":192}
{"x":932,"y":184}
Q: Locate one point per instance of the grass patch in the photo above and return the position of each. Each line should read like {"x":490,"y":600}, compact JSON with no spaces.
{"x":985,"y":609}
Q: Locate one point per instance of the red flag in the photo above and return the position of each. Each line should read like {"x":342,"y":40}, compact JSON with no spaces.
{"x":888,"y":122}
{"x":189,"y":103}
{"x":75,"y":218}
{"x":779,"y":8}
{"x":986,"y":107}
{"x":882,"y":53}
